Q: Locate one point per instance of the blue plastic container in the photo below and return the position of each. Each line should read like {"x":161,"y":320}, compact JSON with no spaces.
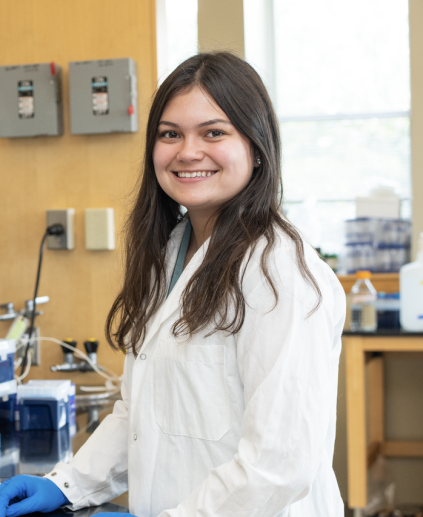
{"x":9,"y":451}
{"x":7,"y":360}
{"x":388,"y":311}
{"x":44,"y":405}
{"x":7,"y":408}
{"x":41,"y":450}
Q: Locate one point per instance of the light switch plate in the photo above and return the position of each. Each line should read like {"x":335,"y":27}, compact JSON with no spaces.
{"x":66,"y":218}
{"x":99,"y":228}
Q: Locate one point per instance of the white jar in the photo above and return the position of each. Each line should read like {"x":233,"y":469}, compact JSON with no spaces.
{"x":411,"y":293}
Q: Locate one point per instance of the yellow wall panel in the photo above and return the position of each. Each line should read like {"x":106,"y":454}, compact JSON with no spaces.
{"x":75,"y":171}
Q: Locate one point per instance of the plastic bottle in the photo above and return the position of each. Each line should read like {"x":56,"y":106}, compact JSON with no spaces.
{"x":411,"y":292}
{"x":363,"y":298}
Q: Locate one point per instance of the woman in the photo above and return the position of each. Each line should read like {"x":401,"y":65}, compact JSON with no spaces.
{"x":230,"y":321}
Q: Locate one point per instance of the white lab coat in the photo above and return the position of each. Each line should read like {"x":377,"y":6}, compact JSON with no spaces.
{"x":226,"y":425}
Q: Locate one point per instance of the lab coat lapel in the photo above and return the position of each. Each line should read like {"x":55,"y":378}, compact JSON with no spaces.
{"x":172,"y":303}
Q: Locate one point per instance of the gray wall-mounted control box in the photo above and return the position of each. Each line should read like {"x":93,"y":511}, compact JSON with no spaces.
{"x":103,"y":96}
{"x":30,"y":100}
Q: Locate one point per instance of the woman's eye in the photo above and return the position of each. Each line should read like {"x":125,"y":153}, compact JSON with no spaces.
{"x":214,"y":133}
{"x":169,"y":134}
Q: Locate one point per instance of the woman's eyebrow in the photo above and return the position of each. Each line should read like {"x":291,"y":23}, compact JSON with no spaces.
{"x":214,"y":121}
{"x":207,"y":123}
{"x":166,"y":123}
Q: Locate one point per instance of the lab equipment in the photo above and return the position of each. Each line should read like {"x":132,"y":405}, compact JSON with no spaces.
{"x":42,"y":449}
{"x":31,"y":100}
{"x":388,"y":310}
{"x":7,"y":360}
{"x":411,"y":292}
{"x":103,"y":96}
{"x":10,"y":311}
{"x":377,"y":245}
{"x":72,"y":409}
{"x":54,"y":229}
{"x":382,"y":202}
{"x":362,"y":304}
{"x":9,"y":458}
{"x":113,"y":381}
{"x":44,"y":404}
{"x":69,"y":364}
{"x":8,"y":384}
{"x":8,"y":406}
{"x":37,"y":494}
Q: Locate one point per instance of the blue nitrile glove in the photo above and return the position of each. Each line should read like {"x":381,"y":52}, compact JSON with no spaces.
{"x":27,"y":494}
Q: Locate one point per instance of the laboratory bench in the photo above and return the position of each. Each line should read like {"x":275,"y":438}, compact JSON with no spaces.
{"x":36,"y":452}
{"x":364,"y":356}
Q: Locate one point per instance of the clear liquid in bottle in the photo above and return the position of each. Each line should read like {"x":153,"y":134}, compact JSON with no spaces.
{"x":363,"y":298}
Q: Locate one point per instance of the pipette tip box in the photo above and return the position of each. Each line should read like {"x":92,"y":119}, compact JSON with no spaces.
{"x":7,"y":360}
{"x":44,"y":404}
{"x":8,"y":386}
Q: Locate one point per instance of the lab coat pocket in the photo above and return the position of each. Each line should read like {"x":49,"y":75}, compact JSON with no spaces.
{"x":190,"y":390}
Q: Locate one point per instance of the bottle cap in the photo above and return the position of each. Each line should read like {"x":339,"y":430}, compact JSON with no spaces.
{"x":362,"y":275}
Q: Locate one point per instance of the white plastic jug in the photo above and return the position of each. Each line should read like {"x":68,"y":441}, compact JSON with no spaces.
{"x":411,"y":293}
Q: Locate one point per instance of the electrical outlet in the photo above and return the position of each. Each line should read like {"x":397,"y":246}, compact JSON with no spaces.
{"x":35,"y":347}
{"x":66,"y":218}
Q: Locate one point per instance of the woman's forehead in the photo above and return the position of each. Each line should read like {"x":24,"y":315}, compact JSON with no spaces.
{"x":192,"y":107}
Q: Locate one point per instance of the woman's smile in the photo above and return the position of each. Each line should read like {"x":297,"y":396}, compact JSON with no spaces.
{"x":193,"y":175}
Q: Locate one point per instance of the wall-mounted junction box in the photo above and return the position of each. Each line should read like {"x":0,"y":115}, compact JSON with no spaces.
{"x":100,"y":229}
{"x":103,"y":96}
{"x":66,"y":218}
{"x":30,"y":100}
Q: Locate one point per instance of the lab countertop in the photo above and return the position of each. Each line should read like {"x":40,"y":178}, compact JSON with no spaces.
{"x":383,"y":333}
{"x":37,"y":452}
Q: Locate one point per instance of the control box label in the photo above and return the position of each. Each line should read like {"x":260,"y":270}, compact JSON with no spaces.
{"x":26,"y":99}
{"x":100,"y":95}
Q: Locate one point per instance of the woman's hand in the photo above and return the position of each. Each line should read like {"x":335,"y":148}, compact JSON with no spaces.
{"x":27,"y":494}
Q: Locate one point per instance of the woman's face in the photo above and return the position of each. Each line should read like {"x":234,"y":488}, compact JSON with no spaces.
{"x":201,"y":160}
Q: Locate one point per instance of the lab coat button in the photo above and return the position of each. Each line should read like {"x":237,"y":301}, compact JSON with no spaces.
{"x":66,"y":485}
{"x":135,"y":436}
{"x":143,"y":357}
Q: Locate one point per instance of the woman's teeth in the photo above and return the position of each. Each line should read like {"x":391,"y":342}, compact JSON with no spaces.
{"x":198,"y":174}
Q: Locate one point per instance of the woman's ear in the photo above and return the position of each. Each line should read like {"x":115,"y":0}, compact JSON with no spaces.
{"x":257,"y":159}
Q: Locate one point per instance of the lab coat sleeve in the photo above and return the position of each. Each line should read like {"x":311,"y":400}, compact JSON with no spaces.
{"x":288,"y":361}
{"x":98,"y":472}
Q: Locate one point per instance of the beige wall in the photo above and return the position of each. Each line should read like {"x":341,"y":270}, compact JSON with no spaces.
{"x":70,"y":171}
{"x":221,"y":25}
{"x":416,"y":60}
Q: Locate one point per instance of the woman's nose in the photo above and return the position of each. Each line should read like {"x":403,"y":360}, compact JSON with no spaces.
{"x":190,"y":150}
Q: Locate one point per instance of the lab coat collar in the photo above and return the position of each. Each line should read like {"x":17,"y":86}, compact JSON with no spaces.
{"x":173,"y":301}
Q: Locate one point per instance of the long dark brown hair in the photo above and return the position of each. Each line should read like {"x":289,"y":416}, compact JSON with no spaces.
{"x":213,"y":297}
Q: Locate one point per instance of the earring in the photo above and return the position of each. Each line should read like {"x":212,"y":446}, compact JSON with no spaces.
{"x":258,"y":161}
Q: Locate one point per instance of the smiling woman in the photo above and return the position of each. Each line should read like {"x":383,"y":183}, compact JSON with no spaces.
{"x":213,"y":115}
{"x":230,"y":322}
